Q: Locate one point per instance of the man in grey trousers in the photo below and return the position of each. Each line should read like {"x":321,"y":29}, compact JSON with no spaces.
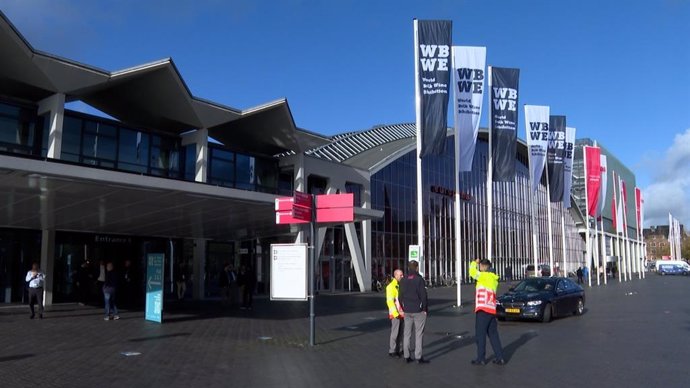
{"x":414,"y":302}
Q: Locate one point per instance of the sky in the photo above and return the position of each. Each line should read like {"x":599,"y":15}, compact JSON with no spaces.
{"x":619,"y":71}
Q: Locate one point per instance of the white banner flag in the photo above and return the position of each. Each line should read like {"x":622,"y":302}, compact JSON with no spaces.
{"x":568,"y":165}
{"x":602,"y":190}
{"x":537,"y":131}
{"x":468,"y":81}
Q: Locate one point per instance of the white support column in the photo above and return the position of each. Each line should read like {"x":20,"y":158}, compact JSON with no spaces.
{"x":200,"y":138}
{"x":199,"y":265}
{"x":48,"y":264}
{"x":357,"y":257}
{"x":55,"y":106}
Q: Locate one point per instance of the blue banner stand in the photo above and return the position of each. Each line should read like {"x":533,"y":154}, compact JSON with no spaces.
{"x":154,"y":287}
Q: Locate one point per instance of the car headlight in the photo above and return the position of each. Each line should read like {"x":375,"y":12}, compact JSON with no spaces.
{"x":534,"y":303}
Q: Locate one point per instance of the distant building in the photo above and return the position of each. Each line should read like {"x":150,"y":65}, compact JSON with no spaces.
{"x":656,"y":238}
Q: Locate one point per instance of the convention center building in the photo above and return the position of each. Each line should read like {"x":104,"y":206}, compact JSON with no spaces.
{"x":164,"y":171}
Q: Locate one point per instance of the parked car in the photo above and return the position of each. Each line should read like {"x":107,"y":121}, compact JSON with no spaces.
{"x":541,"y":299}
{"x":673,"y":269}
{"x":544,"y":270}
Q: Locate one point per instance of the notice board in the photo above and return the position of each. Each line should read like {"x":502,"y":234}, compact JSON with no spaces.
{"x":289,"y":272}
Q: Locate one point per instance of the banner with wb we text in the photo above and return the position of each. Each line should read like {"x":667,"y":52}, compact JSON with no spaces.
{"x":468,"y":84}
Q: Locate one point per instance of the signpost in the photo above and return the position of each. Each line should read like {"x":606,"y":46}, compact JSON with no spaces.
{"x":154,"y":287}
{"x":286,"y":258}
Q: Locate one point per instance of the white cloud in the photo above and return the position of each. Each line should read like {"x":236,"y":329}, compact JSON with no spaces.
{"x":670,"y":190}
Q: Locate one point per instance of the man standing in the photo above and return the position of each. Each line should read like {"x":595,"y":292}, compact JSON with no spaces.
{"x":35,"y":278}
{"x":485,"y":312}
{"x":109,"y":292}
{"x":395,"y":313}
{"x":414,"y":302}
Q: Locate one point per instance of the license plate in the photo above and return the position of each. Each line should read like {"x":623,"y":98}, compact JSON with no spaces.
{"x":513,"y":311}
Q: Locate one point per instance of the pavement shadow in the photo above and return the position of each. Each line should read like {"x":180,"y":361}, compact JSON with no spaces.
{"x":510,"y":349}
{"x":449,"y":342}
{"x":159,"y":337}
{"x":16,"y":357}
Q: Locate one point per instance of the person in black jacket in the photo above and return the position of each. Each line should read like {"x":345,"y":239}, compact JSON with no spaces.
{"x":413,"y":299}
{"x":109,"y":289}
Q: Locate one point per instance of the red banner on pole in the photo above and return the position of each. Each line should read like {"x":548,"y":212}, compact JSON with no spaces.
{"x":638,"y":207}
{"x":593,"y":178}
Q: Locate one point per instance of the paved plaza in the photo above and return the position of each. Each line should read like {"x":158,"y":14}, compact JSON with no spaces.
{"x":633,"y":334}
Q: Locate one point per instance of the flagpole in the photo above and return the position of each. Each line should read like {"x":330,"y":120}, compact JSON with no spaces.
{"x":531,"y":210}
{"x":563,"y":210}
{"x":420,"y":195}
{"x":489,"y":179}
{"x":587,"y":243}
{"x":603,"y":243}
{"x":596,"y":244}
{"x":548,"y":215}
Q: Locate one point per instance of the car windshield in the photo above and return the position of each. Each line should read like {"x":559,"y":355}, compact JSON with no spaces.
{"x":534,"y":285}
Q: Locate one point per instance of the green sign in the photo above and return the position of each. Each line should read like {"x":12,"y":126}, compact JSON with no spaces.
{"x":413,"y":253}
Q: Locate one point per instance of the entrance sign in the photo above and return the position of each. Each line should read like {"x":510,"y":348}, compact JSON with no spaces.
{"x":413,"y":253}
{"x":289,"y":272}
{"x":154,"y":286}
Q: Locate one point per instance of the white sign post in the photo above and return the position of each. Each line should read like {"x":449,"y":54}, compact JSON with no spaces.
{"x":289,"y":272}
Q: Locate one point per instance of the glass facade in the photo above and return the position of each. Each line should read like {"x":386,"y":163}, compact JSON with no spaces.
{"x":232,"y":169}
{"x":393,"y":191}
{"x":21,"y":130}
{"x":97,"y":142}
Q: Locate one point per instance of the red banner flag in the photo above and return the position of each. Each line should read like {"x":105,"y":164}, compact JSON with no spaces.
{"x":592,"y":178}
{"x":638,"y":207}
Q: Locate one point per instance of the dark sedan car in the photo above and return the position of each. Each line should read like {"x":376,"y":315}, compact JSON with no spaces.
{"x":542,"y":299}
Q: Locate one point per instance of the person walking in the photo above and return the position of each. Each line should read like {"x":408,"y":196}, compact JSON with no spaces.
{"x":109,"y":290}
{"x":413,"y":299}
{"x":395,"y":314}
{"x":579,"y":275}
{"x":485,"y":312}
{"x":36,"y":278}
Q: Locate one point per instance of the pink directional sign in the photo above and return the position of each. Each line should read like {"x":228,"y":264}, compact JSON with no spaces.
{"x":327,"y":201}
{"x":336,"y":214}
{"x":303,"y":199}
{"x":285,"y":217}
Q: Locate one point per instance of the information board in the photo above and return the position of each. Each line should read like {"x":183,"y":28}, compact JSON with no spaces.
{"x":288,"y":271}
{"x":154,"y":286}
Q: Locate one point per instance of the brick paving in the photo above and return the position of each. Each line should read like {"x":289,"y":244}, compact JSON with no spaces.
{"x":206,"y":344}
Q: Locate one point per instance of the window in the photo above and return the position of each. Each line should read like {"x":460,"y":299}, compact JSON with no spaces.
{"x":99,"y":144}
{"x":133,"y":152}
{"x":19,"y":129}
{"x":221,"y":167}
{"x":165,"y":156}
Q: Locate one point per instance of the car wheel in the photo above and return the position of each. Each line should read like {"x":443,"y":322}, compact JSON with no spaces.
{"x":546,"y":315}
{"x":580,"y":307}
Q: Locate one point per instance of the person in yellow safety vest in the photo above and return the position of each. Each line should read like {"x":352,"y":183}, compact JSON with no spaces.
{"x":485,"y":312}
{"x":395,"y":314}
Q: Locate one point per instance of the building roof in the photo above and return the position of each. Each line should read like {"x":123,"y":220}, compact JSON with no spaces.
{"x":152,"y":95}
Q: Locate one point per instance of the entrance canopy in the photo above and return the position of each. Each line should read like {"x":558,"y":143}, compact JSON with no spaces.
{"x":36,"y":194}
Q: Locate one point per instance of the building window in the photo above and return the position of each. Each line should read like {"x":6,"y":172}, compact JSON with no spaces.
{"x":20,"y":130}
{"x":133,"y":152}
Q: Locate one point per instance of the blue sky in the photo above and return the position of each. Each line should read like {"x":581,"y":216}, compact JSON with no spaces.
{"x":619,"y":71}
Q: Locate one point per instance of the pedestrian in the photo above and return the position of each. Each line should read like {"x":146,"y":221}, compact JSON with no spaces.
{"x":395,"y":314}
{"x":36,"y":278}
{"x":485,"y":312}
{"x":224,"y":283}
{"x":247,"y":282}
{"x":585,"y":273}
{"x":233,"y":286}
{"x":579,"y":275}
{"x":109,"y":292}
{"x":128,"y":286}
{"x":413,"y":299}
{"x":84,"y":282}
{"x":181,"y":280}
